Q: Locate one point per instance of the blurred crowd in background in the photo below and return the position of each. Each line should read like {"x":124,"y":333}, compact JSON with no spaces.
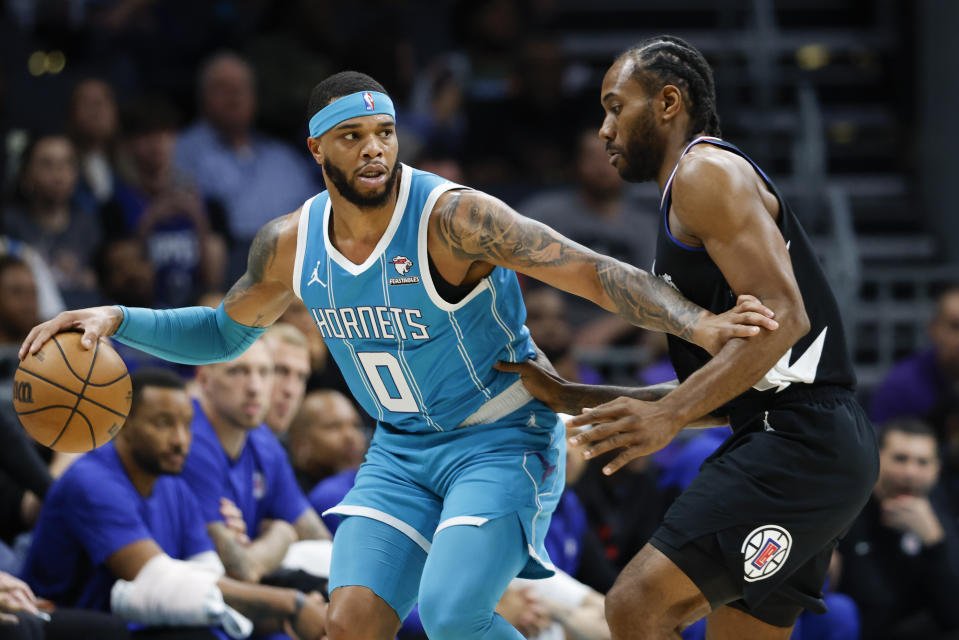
{"x":146,"y":142}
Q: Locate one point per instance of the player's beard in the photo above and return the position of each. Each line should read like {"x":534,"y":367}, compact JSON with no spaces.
{"x":338,"y":177}
{"x":644,"y":150}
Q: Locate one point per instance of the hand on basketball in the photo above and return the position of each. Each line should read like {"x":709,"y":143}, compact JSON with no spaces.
{"x":742,"y":321}
{"x":95,"y":323}
{"x":637,"y":427}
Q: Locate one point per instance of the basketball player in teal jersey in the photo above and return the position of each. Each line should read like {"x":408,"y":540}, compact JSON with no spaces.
{"x":409,"y":279}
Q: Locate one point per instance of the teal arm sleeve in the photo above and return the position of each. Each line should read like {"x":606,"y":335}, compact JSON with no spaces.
{"x":190,"y":335}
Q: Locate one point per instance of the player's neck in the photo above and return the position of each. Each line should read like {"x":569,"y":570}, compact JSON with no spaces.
{"x":141,"y":479}
{"x":676,"y":143}
{"x":355,"y":232}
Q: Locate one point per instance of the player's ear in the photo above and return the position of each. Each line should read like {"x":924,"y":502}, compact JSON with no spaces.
{"x":313,"y":144}
{"x":670,"y":101}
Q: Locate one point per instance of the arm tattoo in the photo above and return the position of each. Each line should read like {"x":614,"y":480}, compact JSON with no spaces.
{"x":260,"y":259}
{"x":647,"y":301}
{"x":476,"y":227}
{"x":484,"y":231}
{"x":231,"y":552}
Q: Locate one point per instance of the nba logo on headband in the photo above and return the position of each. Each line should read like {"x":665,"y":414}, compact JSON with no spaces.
{"x":368,"y":99}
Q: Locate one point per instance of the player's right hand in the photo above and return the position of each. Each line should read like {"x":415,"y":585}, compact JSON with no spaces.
{"x":95,"y":323}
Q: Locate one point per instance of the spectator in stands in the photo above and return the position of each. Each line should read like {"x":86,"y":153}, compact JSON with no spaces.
{"x":124,"y":272}
{"x":42,"y":215}
{"x":327,"y":445}
{"x":528,"y":135}
{"x":24,"y":475}
{"x":19,"y":311}
{"x":611,"y":501}
{"x":93,"y":126}
{"x":255,"y":177}
{"x":291,"y":370}
{"x":900,"y":559}
{"x":549,"y":325}
{"x":123,"y":513}
{"x":914,"y":386}
{"x":159,"y":204}
{"x":236,"y":457}
{"x":596,"y":213}
{"x":324,"y":374}
{"x":49,"y":300}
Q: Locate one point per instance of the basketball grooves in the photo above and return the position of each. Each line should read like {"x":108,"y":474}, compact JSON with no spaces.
{"x":61,"y":387}
{"x":93,"y":362}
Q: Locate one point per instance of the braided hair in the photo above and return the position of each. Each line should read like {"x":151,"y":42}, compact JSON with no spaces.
{"x":663,"y":60}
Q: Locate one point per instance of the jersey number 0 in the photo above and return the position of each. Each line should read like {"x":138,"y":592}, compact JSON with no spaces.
{"x":383,"y":369}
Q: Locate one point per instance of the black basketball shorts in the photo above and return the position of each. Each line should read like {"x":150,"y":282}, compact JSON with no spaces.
{"x":756,"y":528}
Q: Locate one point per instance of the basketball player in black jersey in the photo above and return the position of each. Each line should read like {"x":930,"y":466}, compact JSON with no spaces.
{"x":748,"y":543}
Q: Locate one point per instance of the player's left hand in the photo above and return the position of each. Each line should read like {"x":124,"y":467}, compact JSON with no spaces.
{"x":636,"y":426}
{"x":742,"y":321}
{"x":541,"y":380}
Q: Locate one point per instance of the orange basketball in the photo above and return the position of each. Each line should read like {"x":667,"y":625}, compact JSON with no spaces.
{"x":69,"y":398}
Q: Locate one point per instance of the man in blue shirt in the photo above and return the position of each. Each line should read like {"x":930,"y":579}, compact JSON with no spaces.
{"x":254,"y":176}
{"x":122,"y":510}
{"x":326,"y":438}
{"x":236,"y":457}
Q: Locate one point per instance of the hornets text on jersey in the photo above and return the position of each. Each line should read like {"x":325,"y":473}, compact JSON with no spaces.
{"x":412,"y":359}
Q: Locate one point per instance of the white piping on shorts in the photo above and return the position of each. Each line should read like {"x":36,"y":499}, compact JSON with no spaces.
{"x":472,"y":521}
{"x":385,"y":518}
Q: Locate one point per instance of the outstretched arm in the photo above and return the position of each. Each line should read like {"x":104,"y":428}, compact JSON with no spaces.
{"x":196,"y":335}
{"x":563,"y":396}
{"x":470,"y":228}
{"x":719,"y":203}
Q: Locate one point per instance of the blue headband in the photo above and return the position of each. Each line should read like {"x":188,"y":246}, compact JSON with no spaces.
{"x":361,"y":103}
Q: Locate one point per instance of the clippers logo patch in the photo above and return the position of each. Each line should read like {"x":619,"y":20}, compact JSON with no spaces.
{"x":368,"y":99}
{"x":764,"y":551}
{"x":259,"y":485}
{"x":402,"y":264}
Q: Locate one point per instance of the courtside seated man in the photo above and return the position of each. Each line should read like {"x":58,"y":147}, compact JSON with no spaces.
{"x":123,"y":513}
{"x":411,"y":281}
{"x":748,"y":542}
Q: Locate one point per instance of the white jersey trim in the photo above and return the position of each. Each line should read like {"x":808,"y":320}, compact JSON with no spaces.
{"x":423,"y":254}
{"x":385,"y":518}
{"x":406,"y":180}
{"x":672,"y":173}
{"x":302,"y":232}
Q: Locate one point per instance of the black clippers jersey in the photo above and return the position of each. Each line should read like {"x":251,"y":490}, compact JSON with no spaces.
{"x":818,"y":358}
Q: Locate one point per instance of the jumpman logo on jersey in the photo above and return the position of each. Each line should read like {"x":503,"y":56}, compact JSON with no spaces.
{"x":316,"y":275}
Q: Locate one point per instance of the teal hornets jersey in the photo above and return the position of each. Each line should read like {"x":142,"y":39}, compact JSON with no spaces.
{"x":412,"y":360}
